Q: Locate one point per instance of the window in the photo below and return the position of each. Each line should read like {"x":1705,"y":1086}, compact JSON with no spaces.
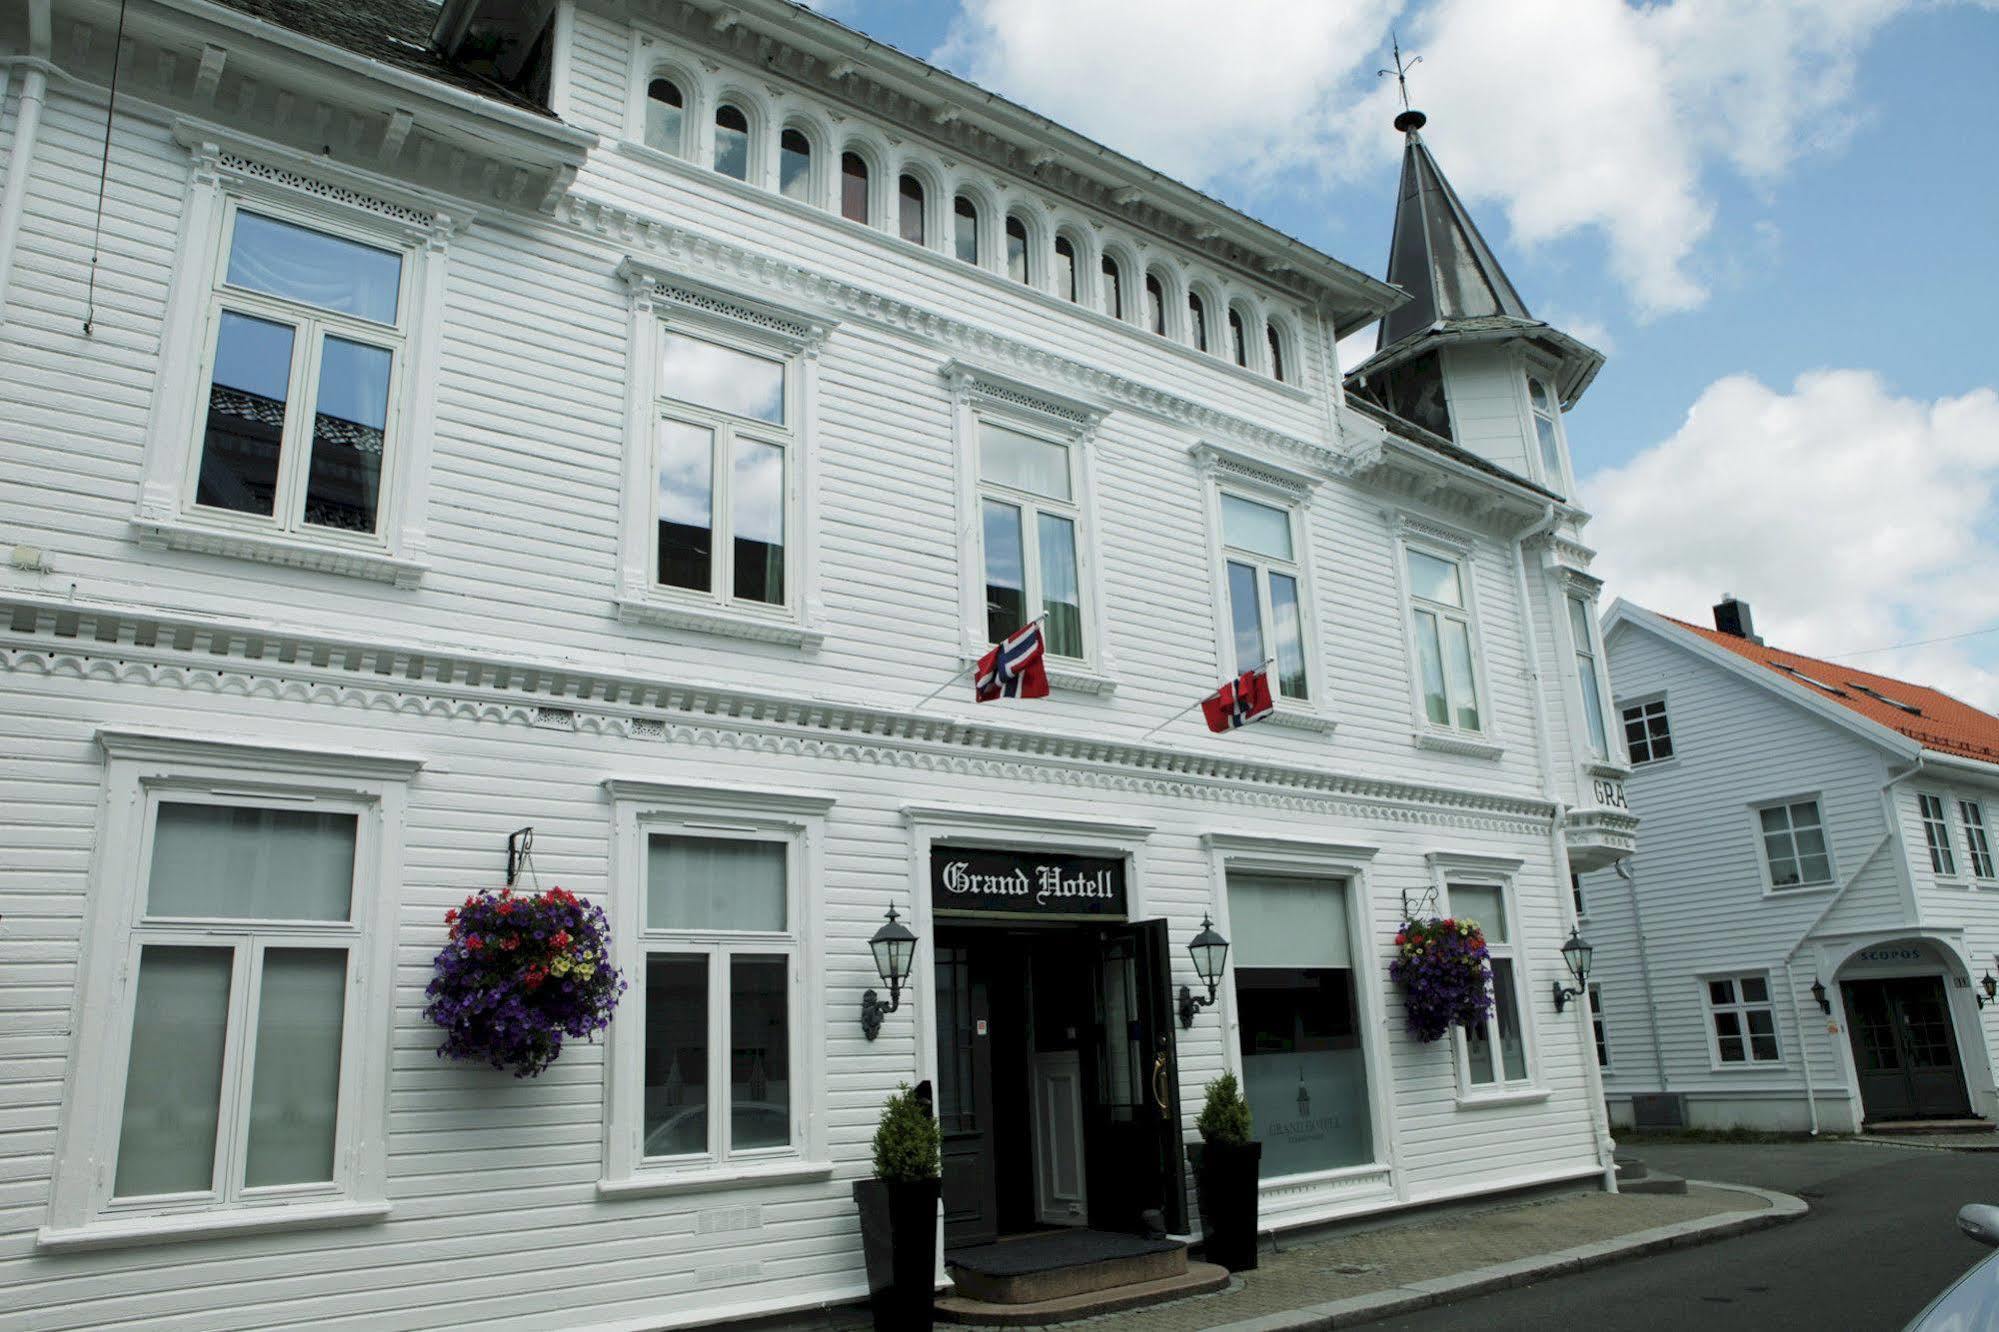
{"x":305,"y":341}
{"x":1596,"y":1025}
{"x":665,"y":111}
{"x":1016,"y":250}
{"x":723,"y":468}
{"x":1495,"y":1050}
{"x":1238,"y":343}
{"x":1113,"y":289}
{"x":1441,"y":621}
{"x":1155,"y":305}
{"x":965,"y":229}
{"x":1976,"y":848}
{"x":1197,"y":321}
{"x":1029,"y":516}
{"x":1545,"y":432}
{"x":1304,"y":1071}
{"x":1794,"y":845}
{"x":1262,"y":589}
{"x":1065,"y":267}
{"x":1276,"y":346}
{"x":1936,"y":834}
{"x":1743,"y":1022}
{"x":1576,"y":893}
{"x":854,"y":187}
{"x":732,"y":142}
{"x":794,"y":165}
{"x":1582,"y":629}
{"x":1646,"y":735}
{"x":909,"y":192}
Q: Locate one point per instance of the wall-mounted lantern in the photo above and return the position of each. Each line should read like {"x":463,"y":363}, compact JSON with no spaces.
{"x":1577,"y":953}
{"x":1210,"y":950}
{"x":1819,"y":997}
{"x":1989,"y":984}
{"x":894,"y":948}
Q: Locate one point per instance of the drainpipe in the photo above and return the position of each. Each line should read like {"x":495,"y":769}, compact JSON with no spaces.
{"x":27,"y":126}
{"x":1623,"y":869}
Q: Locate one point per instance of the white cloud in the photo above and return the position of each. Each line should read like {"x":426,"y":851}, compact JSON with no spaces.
{"x":1575,"y":116}
{"x":1848,"y":517}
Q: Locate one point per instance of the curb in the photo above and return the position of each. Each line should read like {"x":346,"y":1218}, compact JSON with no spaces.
{"x":1358,"y":1309}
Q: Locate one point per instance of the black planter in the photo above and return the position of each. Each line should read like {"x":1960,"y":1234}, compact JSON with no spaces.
{"x":1226,"y":1175}
{"x":899,"y":1241}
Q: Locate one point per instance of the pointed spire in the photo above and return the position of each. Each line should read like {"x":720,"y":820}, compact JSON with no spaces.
{"x":1437,"y":255}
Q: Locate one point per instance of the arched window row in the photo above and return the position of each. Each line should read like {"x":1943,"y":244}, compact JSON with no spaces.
{"x":726,"y":129}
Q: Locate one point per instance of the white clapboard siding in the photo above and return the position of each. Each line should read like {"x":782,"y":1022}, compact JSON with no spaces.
{"x":1487,"y":397}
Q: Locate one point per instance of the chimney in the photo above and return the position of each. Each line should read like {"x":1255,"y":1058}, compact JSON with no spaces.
{"x":1732,"y":617}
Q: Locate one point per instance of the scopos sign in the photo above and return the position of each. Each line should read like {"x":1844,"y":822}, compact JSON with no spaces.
{"x":989,"y":880}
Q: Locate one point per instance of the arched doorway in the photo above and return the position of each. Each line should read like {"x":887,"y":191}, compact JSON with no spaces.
{"x":1906,"y":1054}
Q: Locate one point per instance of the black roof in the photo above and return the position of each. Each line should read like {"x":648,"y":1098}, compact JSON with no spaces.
{"x":1438,"y":257}
{"x":394,"y":32}
{"x":1403,"y":428}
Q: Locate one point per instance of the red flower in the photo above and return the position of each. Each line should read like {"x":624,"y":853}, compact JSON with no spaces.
{"x":1401,"y":939}
{"x":474,"y":942}
{"x":506,"y":908}
{"x":512,"y":942}
{"x":561,"y":939}
{"x":451,"y":915}
{"x":506,"y":893}
{"x":533,"y":977}
{"x":468,"y":899}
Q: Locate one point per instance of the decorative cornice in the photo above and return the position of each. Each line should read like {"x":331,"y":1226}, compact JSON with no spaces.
{"x":979,"y":384}
{"x":719,"y":796}
{"x":982,"y":818}
{"x":122,"y":644}
{"x":145,"y":744}
{"x":1257,"y":844}
{"x":162,"y":532}
{"x":657,"y":287}
{"x":1232,"y":465}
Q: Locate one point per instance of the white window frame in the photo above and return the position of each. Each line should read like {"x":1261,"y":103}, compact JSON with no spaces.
{"x":660,"y":300}
{"x":231,"y":174}
{"x":1936,"y":833}
{"x":1599,"y":1028}
{"x":1979,"y":861}
{"x":981,"y":397}
{"x":642,"y":809}
{"x":1641,"y":706}
{"x":1464,"y":870}
{"x":1589,"y":657}
{"x":1559,"y":480}
{"x":1741,"y":1008}
{"x":1458,"y":548}
{"x":1770,"y":886}
{"x":650,"y":60}
{"x":143,"y":768}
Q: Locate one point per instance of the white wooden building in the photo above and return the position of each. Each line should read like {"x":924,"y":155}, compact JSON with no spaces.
{"x":1805,"y":939}
{"x":694,"y":390}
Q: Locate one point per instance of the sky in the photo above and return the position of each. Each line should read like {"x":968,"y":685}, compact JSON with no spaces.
{"x":1779,"y":219}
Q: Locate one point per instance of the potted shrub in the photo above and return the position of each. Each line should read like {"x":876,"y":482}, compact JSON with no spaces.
{"x":898,"y":1209}
{"x":1226,"y":1176}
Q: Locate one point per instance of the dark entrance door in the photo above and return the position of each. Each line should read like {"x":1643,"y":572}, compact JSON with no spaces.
{"x":965,"y":1096}
{"x":1905,"y":1049}
{"x":1132,"y":1123}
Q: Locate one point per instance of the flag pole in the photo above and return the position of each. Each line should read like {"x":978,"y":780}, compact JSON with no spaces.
{"x":958,"y":674}
{"x":1195,"y":704}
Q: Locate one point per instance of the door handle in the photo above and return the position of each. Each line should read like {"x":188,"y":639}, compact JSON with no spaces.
{"x":1159,"y":1087}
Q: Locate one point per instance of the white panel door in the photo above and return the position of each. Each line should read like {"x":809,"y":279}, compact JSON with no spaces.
{"x":1058,"y":1139}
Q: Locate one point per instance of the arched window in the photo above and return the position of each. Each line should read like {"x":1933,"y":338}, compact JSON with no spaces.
{"x":1197,"y":320}
{"x":663,"y":112}
{"x":910,"y":216}
{"x":965,"y":229}
{"x":1544,"y":430}
{"x":1113,"y":289}
{"x":853,"y":187}
{"x":1155,"y":304}
{"x":794,"y":165}
{"x":1065,"y":267}
{"x":1016,"y":250}
{"x":1238,"y":344}
{"x":1276,"y":351}
{"x":732,"y":142}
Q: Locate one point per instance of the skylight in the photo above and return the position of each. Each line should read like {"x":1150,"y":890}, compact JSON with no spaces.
{"x":1794,"y":671}
{"x":1880,"y":697}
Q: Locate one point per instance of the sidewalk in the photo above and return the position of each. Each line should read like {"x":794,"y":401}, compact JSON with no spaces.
{"x":1352,"y":1279}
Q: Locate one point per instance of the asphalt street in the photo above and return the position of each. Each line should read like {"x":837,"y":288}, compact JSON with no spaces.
{"x":1879,"y":1244}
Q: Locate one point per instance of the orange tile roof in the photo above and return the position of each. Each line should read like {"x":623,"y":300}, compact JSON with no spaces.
{"x":1940,"y":722}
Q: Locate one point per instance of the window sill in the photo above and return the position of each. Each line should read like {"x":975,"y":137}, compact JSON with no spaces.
{"x":208,"y":1225}
{"x":1615,"y":772}
{"x":1482,"y":1100}
{"x":289,"y":551}
{"x":731,"y":624}
{"x":1801,"y":890}
{"x":1069,"y":675}
{"x":1445,"y":742}
{"x":1764,"y":1066}
{"x":1302,"y":719}
{"x":661,"y":1183}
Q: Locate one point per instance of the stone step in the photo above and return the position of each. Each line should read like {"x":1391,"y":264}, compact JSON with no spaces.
{"x":1055,"y":1265}
{"x":1197,"y":1279}
{"x":1630,"y":1167}
{"x":1653,"y":1183}
{"x":1893,"y":1127}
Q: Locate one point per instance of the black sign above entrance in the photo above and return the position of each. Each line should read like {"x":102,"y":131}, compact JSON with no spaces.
{"x":989,"y":881}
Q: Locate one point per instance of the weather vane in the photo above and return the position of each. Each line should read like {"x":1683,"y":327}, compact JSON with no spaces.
{"x":1401,"y":70}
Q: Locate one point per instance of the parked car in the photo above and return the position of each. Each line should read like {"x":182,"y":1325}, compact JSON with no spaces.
{"x":1971,"y":1304}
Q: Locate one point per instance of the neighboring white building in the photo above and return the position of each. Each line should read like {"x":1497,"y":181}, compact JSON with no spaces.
{"x":1807,"y":825}
{"x":618,"y":419}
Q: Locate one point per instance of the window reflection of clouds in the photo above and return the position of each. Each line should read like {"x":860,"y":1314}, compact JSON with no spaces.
{"x":329,"y":272}
{"x":757,"y":492}
{"x":723,"y":378}
{"x":253,"y":355}
{"x":354,"y":383}
{"x":686,"y":473}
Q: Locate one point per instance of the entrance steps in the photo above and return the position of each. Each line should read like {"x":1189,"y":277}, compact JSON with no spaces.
{"x":1634,"y":1177}
{"x":1900,"y":1127}
{"x":1060,"y":1276}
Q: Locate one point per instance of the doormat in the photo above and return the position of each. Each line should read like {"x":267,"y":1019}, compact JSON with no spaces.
{"x":1053,"y":1251}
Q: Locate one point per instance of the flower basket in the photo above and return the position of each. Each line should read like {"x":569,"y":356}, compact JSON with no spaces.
{"x":1444,"y":973}
{"x":520,"y":972}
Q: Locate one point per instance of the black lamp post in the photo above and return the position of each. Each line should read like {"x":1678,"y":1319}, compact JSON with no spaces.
{"x":1818,"y":994}
{"x":1577,"y":953}
{"x":1210,"y":951}
{"x":894,"y":948}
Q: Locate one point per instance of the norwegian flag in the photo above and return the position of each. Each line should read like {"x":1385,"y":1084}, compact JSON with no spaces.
{"x":1015,"y":668}
{"x":1239,"y":702}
